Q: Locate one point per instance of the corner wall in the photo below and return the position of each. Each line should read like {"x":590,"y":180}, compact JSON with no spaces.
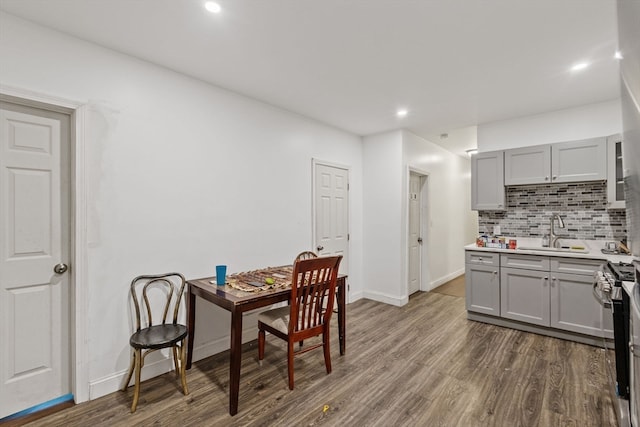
{"x":181,"y":176}
{"x":449,"y":222}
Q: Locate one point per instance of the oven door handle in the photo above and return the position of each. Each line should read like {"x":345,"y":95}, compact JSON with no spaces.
{"x":598,"y":296}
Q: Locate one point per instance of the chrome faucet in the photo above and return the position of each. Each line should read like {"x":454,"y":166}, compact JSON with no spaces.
{"x":553,"y":239}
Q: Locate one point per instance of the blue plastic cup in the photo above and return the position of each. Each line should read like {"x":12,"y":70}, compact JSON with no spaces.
{"x":221,"y":274}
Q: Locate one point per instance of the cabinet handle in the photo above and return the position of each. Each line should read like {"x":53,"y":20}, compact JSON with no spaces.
{"x":546,"y":178}
{"x":495,"y":272}
{"x":555,"y":177}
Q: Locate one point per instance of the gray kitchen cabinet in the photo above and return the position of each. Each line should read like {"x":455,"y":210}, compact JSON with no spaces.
{"x":572,"y":161}
{"x":547,"y":294}
{"x":615,"y":173}
{"x":550,"y":291}
{"x":482,"y":283}
{"x":487,"y":181}
{"x":524,"y":295}
{"x":578,"y":161}
{"x":527,"y":165}
{"x":573,"y":307}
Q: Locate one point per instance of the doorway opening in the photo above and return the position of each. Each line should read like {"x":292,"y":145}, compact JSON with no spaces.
{"x":417,"y":235}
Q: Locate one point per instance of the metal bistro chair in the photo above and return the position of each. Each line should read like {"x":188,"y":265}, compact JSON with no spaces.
{"x":165,"y":334}
{"x":313,"y":285}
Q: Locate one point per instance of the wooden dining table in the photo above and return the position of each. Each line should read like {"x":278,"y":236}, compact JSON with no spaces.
{"x":241,"y":294}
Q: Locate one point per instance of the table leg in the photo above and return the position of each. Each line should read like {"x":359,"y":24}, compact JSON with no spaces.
{"x":235,"y":360}
{"x":191,"y":325}
{"x":342,"y":290}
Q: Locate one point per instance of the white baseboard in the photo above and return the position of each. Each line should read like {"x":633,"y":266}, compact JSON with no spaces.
{"x":442,"y":280}
{"x":385,"y":298}
{"x":153,"y":368}
{"x":355,"y":296}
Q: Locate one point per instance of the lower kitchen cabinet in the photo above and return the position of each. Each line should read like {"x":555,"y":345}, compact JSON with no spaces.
{"x":524,"y":295}
{"x":573,"y":307}
{"x":552,"y":292}
{"x":482,"y":284}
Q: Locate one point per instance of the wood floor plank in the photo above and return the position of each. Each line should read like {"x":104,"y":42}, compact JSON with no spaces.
{"x":423,"y":364}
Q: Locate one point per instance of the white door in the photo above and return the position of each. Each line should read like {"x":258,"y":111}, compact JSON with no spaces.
{"x":415,"y":238}
{"x":332,"y":212}
{"x":34,"y":227}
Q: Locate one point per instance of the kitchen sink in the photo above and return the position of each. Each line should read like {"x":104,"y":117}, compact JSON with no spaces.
{"x":565,"y":245}
{"x":546,"y":249}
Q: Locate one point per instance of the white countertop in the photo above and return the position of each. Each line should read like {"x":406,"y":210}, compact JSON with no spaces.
{"x":592,"y":246}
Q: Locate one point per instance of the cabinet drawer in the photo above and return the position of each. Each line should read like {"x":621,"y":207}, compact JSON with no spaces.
{"x":482,"y":258}
{"x":575,"y":265}
{"x":528,"y":262}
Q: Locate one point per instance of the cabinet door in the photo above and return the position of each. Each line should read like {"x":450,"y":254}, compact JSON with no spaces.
{"x":615,"y":174}
{"x":482,"y":291}
{"x":528,"y":165}
{"x":487,"y":181}
{"x":573,"y":307}
{"x":524,"y":295}
{"x":577,"y":161}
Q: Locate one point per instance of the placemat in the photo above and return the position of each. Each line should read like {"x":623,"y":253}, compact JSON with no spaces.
{"x":247,"y":281}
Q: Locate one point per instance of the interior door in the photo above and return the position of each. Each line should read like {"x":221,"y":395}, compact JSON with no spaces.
{"x":332,"y":212}
{"x":415,"y":238}
{"x":34,"y":346}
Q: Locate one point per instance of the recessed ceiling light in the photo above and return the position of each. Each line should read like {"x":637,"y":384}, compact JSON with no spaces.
{"x":580,"y":66}
{"x":402,"y":113}
{"x":618,"y":55}
{"x":212,"y":7}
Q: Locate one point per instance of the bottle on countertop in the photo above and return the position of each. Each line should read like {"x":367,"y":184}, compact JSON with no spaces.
{"x":545,"y":241}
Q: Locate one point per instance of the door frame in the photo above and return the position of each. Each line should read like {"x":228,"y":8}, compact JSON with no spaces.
{"x":315,"y":162}
{"x":78,"y":316}
{"x":425,"y":218}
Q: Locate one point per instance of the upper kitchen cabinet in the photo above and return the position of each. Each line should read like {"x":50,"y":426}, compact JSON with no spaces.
{"x":578,"y":161}
{"x":573,"y":161}
{"x":487,"y":181}
{"x":615,"y":175}
{"x":528,"y":165}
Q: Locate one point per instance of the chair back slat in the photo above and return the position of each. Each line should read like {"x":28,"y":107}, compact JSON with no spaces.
{"x":312,"y":292}
{"x":305,"y":255}
{"x":171,"y":285}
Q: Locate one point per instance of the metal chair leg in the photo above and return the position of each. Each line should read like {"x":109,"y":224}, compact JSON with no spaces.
{"x":136,"y":393}
{"x":183,"y":367}
{"x":133,"y":363}
{"x":174,"y":350}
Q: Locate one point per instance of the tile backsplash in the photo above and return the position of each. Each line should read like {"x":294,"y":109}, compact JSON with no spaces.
{"x":582,"y":206}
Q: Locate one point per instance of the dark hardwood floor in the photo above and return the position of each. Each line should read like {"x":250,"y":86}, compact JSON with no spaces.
{"x":423,"y":364}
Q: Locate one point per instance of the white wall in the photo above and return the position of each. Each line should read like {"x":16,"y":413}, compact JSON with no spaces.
{"x":587,"y":121}
{"x":451,"y":224}
{"x":382,"y":207}
{"x":181,"y":176}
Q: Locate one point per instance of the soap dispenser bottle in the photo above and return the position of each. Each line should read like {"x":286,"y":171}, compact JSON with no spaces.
{"x":545,"y":241}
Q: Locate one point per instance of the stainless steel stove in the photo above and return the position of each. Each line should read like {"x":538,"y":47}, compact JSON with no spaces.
{"x":608,"y":290}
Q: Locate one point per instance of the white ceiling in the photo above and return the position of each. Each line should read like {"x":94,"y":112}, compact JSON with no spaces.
{"x":351,"y":64}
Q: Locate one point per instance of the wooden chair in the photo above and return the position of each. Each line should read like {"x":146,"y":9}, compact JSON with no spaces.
{"x":160,"y":293}
{"x":313,"y":287}
{"x":305,"y":255}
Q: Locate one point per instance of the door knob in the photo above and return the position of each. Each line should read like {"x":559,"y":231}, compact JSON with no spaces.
{"x":319,"y":248}
{"x":60,"y":268}
{"x":419,"y":239}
